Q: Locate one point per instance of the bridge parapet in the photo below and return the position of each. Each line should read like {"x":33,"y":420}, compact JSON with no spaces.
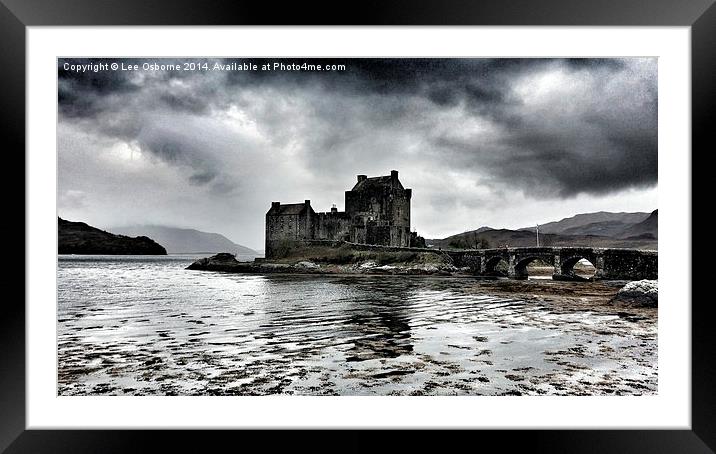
{"x":622,"y":264}
{"x":629,"y":264}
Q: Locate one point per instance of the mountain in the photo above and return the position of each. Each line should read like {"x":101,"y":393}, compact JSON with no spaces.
{"x":648,"y":228}
{"x":599,"y":223}
{"x":178,"y":240}
{"x":483,"y":229}
{"x":80,"y":238}
{"x":602,"y":229}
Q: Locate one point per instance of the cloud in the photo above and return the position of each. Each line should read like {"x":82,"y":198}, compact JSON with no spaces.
{"x":72,"y":199}
{"x":543,"y":128}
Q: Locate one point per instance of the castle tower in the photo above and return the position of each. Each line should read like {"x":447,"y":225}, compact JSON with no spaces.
{"x":379,"y":209}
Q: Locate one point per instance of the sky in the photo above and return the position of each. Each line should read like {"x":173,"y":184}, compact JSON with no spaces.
{"x":209,"y":144}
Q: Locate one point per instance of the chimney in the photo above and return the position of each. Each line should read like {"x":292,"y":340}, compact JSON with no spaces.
{"x":362,"y":178}
{"x":393,"y":174}
{"x":275,"y":204}
{"x":307,"y":203}
{"x":334,"y":209}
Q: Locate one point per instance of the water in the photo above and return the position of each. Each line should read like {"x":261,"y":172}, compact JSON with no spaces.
{"x":147,"y":326}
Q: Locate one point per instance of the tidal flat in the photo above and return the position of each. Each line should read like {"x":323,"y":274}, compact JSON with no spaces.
{"x":147,"y":326}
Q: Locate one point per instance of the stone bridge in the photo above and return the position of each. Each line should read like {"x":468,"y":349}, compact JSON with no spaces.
{"x":626,"y":264}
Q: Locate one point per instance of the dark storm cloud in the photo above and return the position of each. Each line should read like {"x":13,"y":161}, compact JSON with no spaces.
{"x":82,"y":93}
{"x":548,"y":127}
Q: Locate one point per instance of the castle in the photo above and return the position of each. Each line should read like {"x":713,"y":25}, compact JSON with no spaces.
{"x":377,"y":212}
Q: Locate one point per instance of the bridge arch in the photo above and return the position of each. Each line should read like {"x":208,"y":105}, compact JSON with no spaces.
{"x":522,"y":262}
{"x":568,"y":262}
{"x":495,"y":265}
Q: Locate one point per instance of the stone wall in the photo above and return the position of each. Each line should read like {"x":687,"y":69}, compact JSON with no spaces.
{"x":283,"y":227}
{"x":367,"y":247}
{"x":333,"y":225}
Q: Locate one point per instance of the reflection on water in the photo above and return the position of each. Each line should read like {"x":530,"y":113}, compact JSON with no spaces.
{"x":385,"y":334}
{"x":145,"y":325}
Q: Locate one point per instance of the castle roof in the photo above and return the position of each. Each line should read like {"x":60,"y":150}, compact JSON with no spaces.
{"x":288,"y":208}
{"x":372,"y":182}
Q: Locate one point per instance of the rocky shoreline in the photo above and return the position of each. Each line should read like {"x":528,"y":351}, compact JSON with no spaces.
{"x":227,"y":263}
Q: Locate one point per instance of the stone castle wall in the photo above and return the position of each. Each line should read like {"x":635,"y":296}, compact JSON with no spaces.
{"x":283,"y":227}
{"x":333,"y":225}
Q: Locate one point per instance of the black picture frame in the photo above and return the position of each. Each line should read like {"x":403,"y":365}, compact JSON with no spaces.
{"x":16,"y":15}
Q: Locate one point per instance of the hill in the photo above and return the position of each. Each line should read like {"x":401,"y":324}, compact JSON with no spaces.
{"x":600,"y":223}
{"x":80,"y":238}
{"x":521,"y":238}
{"x":601,"y":229}
{"x":649,"y":227}
{"x":604,"y":228}
{"x":178,"y":240}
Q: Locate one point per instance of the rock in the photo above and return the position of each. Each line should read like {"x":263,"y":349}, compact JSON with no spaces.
{"x":385,"y":267}
{"x":223,"y":257}
{"x":219,"y":262}
{"x":639,"y":293}
{"x":570,"y":278}
{"x":306,"y":264}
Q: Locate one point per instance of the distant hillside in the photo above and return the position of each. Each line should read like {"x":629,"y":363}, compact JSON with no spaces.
{"x":602,"y":229}
{"x":645,"y":229}
{"x":599,"y":223}
{"x":521,"y":238}
{"x":178,"y":240}
{"x":80,"y":238}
